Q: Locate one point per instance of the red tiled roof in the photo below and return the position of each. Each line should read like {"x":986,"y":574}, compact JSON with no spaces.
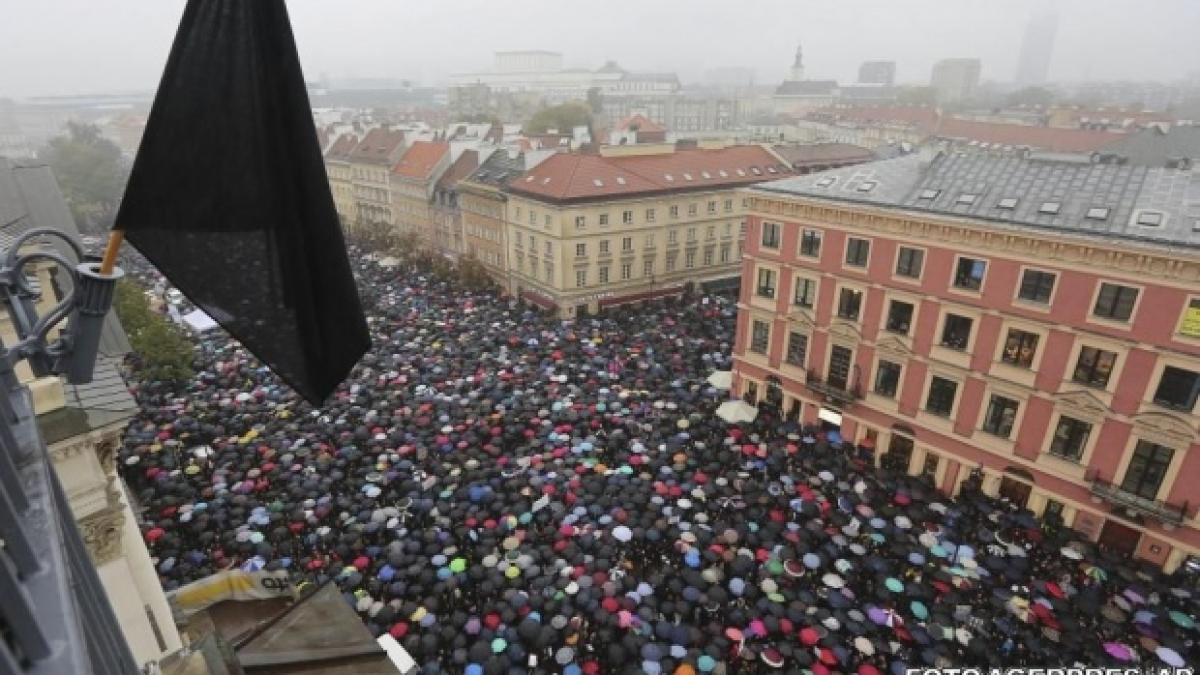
{"x":1044,"y":138}
{"x":342,"y":147}
{"x":574,"y":176}
{"x":462,"y":167}
{"x":643,"y":123}
{"x":420,"y":159}
{"x":378,"y":145}
{"x":919,"y":116}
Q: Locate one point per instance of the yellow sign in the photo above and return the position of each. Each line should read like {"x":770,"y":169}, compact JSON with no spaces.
{"x":1191,"y":321}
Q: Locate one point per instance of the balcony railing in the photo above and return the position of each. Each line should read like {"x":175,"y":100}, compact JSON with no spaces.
{"x":832,"y":392}
{"x":1173,"y":514}
{"x":55,"y":617}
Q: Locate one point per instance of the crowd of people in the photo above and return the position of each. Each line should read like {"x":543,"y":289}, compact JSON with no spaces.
{"x":505,"y":492}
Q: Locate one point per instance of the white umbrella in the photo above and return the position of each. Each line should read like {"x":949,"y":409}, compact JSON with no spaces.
{"x":622,"y":533}
{"x":1073,"y":554}
{"x":721,"y":379}
{"x":833,"y":581}
{"x":737,"y":411}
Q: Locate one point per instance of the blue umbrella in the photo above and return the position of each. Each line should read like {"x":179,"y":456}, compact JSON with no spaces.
{"x":812,"y":561}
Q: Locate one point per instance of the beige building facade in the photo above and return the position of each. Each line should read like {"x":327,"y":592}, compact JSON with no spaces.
{"x":587,"y":232}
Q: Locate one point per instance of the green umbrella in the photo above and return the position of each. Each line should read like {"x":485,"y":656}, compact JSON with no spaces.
{"x":894,"y":585}
{"x":499,"y":645}
{"x":1182,"y":619}
{"x":458,"y":565}
{"x":919,"y":610}
{"x":775,"y":566}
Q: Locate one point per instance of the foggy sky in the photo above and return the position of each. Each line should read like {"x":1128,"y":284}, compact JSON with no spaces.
{"x":85,"y":46}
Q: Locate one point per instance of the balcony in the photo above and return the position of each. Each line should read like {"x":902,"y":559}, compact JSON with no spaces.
{"x":832,"y":392}
{"x":1169,"y":514}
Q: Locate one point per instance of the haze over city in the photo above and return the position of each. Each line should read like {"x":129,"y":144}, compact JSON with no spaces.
{"x":122,"y":44}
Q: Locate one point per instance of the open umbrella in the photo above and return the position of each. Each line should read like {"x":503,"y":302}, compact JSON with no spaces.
{"x":833,"y":581}
{"x":1169,"y":656}
{"x":736,"y":412}
{"x":1119,"y":651}
{"x":721,"y":379}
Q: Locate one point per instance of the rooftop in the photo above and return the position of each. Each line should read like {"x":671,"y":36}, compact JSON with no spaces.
{"x":823,"y":153}
{"x":420,"y":159}
{"x":378,"y":146}
{"x":643,"y":124}
{"x":1155,"y":147}
{"x":497,"y":169}
{"x":1055,"y":192}
{"x":342,"y":148}
{"x":806,"y":88}
{"x":578,"y":177}
{"x":462,"y":167}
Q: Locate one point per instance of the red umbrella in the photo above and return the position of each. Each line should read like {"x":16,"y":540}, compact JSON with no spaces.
{"x":809,"y":636}
{"x":867,"y":669}
{"x":1055,"y":590}
{"x":155,"y":534}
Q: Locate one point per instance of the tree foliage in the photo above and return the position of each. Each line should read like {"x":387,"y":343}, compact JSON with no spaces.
{"x":91,"y":172}
{"x":562,"y":117}
{"x":161,"y":350}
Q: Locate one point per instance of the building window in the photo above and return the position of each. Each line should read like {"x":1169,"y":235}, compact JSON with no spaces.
{"x":1053,"y":511}
{"x":518,"y":213}
{"x":532,"y":217}
{"x":909,"y":262}
{"x":649,"y":215}
{"x":691,"y":234}
{"x":1094,"y":366}
{"x":603,"y":218}
{"x":797,"y":348}
{"x":1036,"y":286}
{"x":849,"y":303}
{"x":649,"y":241}
{"x":810,"y":243}
{"x":770,"y":234}
{"x":532,"y":244}
{"x":1177,"y":389}
{"x":728,"y":205}
{"x":766,"y":283}
{"x":673,"y":211}
{"x":580,"y":250}
{"x":672,"y":237}
{"x":806,"y":293}
{"x":626,"y":271}
{"x":712,"y":207}
{"x":1190,"y":325}
{"x":1070,"y":437}
{"x":547,"y":220}
{"x":603,"y":247}
{"x":604,"y":274}
{"x":580,"y":222}
{"x":724,"y":253}
{"x":710,"y":232}
{"x":968,"y":274}
{"x":549,"y":268}
{"x":648,"y":267}
{"x":887,"y":379}
{"x":840,"y":359}
{"x":1147,"y":469}
{"x":930,"y":467}
{"x":1020,"y":348}
{"x":626,"y":244}
{"x":857,"y":251}
{"x":549,"y":248}
{"x":708,"y":256}
{"x":941,"y":396}
{"x":689,"y":260}
{"x":580,"y":278}
{"x":1000,"y":417}
{"x":627,"y":217}
{"x":956,"y":332}
{"x":899,"y":317}
{"x":760,"y":337}
{"x":691,"y":209}
{"x":1115,"y":302}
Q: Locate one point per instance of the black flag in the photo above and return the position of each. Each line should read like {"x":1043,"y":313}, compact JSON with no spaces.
{"x":228,"y":195}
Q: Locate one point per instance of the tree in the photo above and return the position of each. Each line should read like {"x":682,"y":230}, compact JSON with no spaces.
{"x":1030,"y":96}
{"x":595,"y":100}
{"x":91,"y":173}
{"x":473,"y":275}
{"x":161,"y":351}
{"x":563,"y":117}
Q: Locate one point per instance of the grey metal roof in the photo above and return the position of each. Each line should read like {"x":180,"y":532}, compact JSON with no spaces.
{"x":498,"y":169}
{"x":29,"y":199}
{"x":982,"y":185}
{"x":103,"y":401}
{"x":1153,"y":146}
{"x":806,"y":88}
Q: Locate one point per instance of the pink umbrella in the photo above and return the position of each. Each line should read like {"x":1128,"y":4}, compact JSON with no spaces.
{"x":1118,"y":651}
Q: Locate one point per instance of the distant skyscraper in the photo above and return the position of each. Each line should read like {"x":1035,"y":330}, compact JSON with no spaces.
{"x":877,"y":72}
{"x":1037,"y":46}
{"x":955,"y":79}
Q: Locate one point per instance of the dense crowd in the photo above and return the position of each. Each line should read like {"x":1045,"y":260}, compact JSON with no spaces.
{"x":504,"y":492}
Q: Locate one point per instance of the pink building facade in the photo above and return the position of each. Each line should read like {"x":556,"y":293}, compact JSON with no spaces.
{"x":1067,"y":367}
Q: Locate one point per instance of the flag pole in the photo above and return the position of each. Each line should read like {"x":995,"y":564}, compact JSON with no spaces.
{"x":110,"y":251}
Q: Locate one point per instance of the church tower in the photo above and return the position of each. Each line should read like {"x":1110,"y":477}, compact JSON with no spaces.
{"x":798,"y":65}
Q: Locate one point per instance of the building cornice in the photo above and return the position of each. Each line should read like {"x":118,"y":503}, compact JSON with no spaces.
{"x":1167,"y":265}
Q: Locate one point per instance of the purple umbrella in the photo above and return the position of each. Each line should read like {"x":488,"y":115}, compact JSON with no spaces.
{"x":877,"y":616}
{"x":1118,"y":651}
